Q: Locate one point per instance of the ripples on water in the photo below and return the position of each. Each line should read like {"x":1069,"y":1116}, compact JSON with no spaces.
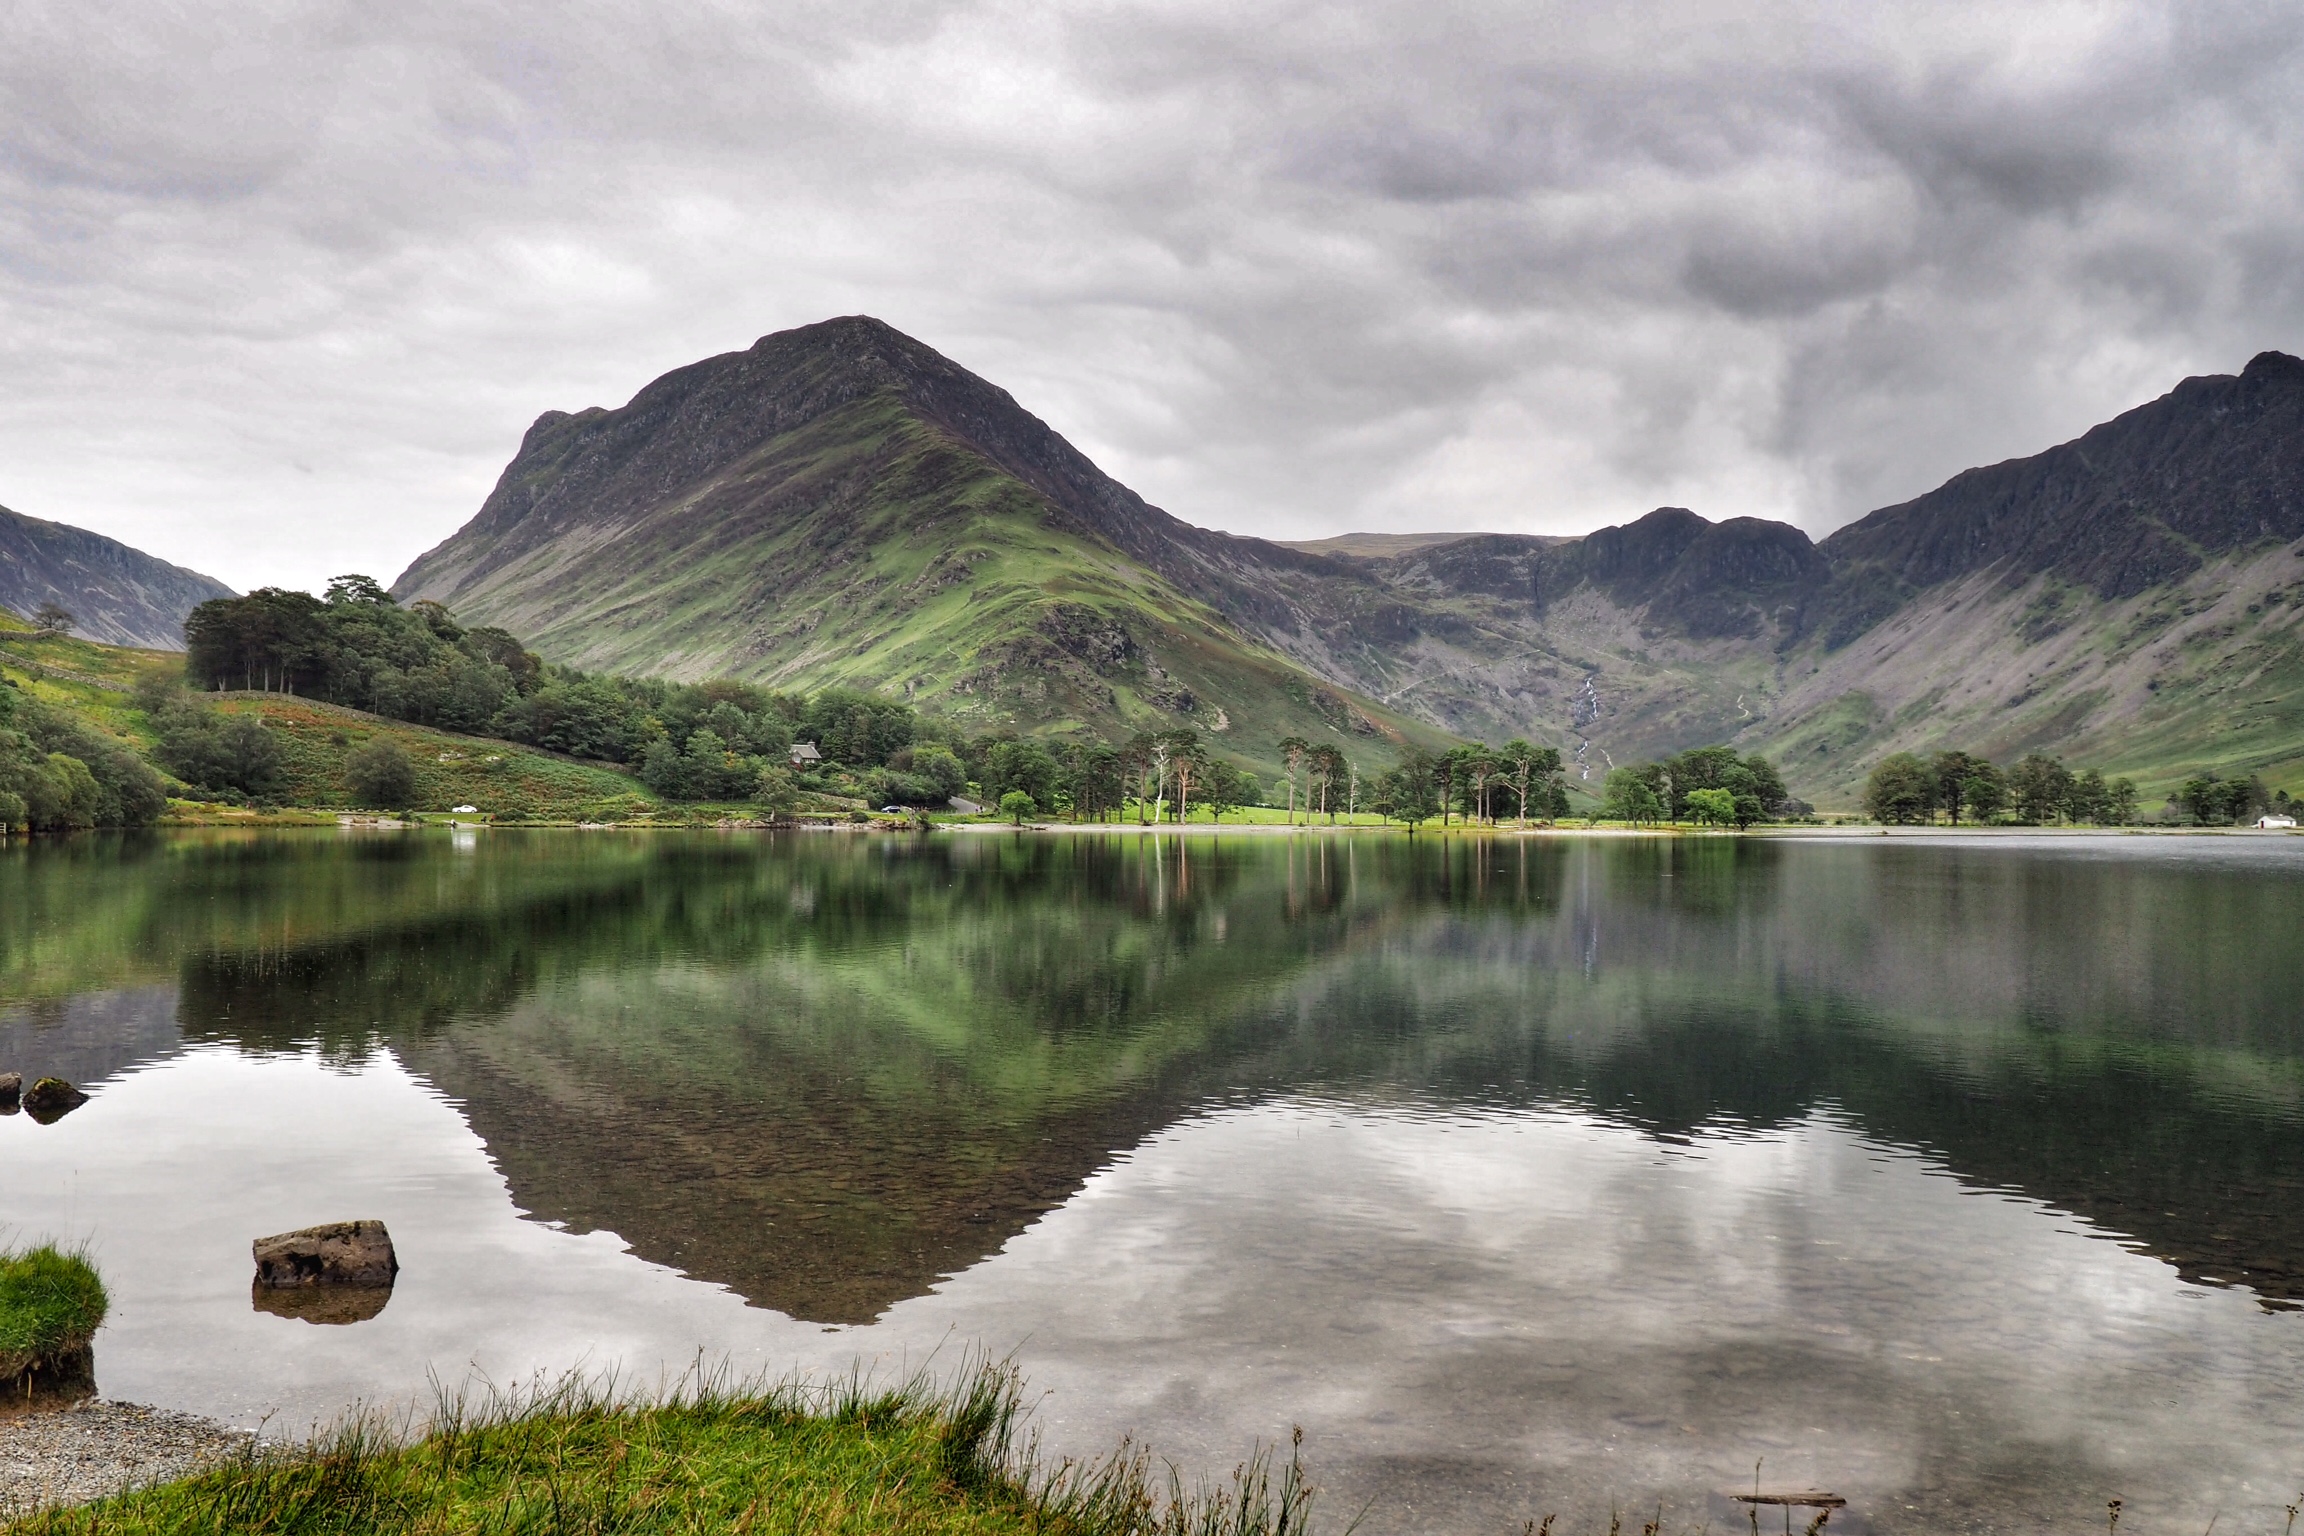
{"x":1964,"y":1178}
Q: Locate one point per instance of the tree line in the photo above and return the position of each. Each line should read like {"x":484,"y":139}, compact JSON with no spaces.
{"x":1905,"y":789}
{"x":1711,"y":786}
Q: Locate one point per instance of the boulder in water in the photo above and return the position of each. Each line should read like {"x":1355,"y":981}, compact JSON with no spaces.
{"x":11,"y":1092}
{"x":51,"y":1099}
{"x":346,"y":1253}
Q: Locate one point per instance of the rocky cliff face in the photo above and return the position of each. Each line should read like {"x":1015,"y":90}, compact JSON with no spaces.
{"x":116,"y":594}
{"x":841,"y":504}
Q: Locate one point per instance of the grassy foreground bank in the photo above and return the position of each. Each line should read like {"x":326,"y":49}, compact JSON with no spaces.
{"x":706,"y":1459}
{"x":51,"y":1302}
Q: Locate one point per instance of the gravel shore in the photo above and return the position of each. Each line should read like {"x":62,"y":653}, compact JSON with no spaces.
{"x":83,"y":1453}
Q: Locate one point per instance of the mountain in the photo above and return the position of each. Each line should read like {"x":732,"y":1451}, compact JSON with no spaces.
{"x":840,"y":504}
{"x":2128,"y":600}
{"x":115,"y":594}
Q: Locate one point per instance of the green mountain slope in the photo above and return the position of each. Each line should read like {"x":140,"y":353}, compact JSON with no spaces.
{"x":841,"y":507}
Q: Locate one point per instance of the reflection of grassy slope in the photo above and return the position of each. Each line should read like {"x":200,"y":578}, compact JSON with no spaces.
{"x":95,"y":913}
{"x":923,"y":1056}
{"x":868,"y":549}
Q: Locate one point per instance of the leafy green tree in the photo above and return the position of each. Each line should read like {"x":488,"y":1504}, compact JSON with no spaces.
{"x":1529,"y":769}
{"x":1408,"y":792}
{"x":1293,"y":752}
{"x":1225,"y":788}
{"x":1713,"y":807}
{"x":1186,"y":760}
{"x":1017,"y":805}
{"x":1984,"y":791}
{"x":775,"y":792}
{"x":1329,"y":772}
{"x":1630,"y":796}
{"x":53,"y":618}
{"x":2120,"y":801}
{"x":381,"y":775}
{"x":213,"y":750}
{"x":2091,"y":798}
{"x":1901,"y":790}
{"x":1020,"y":765}
{"x":2040,"y":786}
{"x":1951,"y":770}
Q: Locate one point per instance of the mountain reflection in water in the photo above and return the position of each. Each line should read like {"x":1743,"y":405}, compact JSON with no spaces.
{"x":827,"y":1071}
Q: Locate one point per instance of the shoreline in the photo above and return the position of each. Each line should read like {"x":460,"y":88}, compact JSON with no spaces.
{"x":62,"y":1457}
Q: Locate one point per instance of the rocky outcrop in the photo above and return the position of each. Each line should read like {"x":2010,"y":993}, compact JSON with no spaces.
{"x":115,"y":594}
{"x":51,"y":1099}
{"x":11,"y":1092}
{"x":342,"y":1253}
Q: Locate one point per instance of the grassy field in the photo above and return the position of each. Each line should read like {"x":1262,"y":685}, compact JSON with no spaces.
{"x":50,"y":1302}
{"x":848,"y":1460}
{"x":497,"y":777}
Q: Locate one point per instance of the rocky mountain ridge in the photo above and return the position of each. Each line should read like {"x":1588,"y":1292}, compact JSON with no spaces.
{"x":115,"y":594}
{"x":842,"y":504}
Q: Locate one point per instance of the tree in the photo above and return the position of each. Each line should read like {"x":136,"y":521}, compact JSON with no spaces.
{"x":216,"y":751}
{"x":1293,"y":751}
{"x":1409,"y":792}
{"x":1140,"y":760}
{"x":2120,"y":801}
{"x":1329,"y":765}
{"x":1952,"y":770}
{"x":1629,"y":796}
{"x":2091,"y":798}
{"x":381,"y":775}
{"x":1901,"y":790}
{"x":1016,"y":805}
{"x":1225,"y":788}
{"x":53,"y":618}
{"x":1023,"y":765}
{"x":2040,"y":786}
{"x":1529,"y":768}
{"x":1714,"y":807}
{"x":775,"y":791}
{"x":1481,"y":764}
{"x":1092,"y":774}
{"x":1186,"y":758}
{"x":1984,"y":792}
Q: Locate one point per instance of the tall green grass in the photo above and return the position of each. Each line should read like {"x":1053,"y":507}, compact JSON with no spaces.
{"x":51,"y":1301}
{"x":705,"y":1457}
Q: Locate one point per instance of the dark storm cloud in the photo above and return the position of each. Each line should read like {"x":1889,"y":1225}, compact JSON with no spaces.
{"x":280,"y":286}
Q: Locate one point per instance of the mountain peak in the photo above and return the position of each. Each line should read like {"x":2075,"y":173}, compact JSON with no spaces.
{"x":2266,"y":366}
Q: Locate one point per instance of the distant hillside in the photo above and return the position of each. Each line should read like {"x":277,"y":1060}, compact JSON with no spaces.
{"x":841,"y":505}
{"x":1373,"y":546}
{"x":115,"y":594}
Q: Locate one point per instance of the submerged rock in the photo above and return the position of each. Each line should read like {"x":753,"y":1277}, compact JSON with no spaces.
{"x":346,"y":1253}
{"x":51,"y":1099}
{"x":11,"y":1092}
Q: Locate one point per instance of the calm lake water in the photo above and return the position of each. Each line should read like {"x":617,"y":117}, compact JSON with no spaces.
{"x":1965,"y":1179}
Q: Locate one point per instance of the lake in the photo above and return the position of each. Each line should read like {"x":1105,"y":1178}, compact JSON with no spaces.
{"x":1963,"y":1177}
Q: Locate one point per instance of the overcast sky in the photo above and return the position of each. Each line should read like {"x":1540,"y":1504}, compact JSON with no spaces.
{"x":282,"y":284}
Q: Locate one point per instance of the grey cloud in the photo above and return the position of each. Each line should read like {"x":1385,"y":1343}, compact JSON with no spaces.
{"x":280,"y":287}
